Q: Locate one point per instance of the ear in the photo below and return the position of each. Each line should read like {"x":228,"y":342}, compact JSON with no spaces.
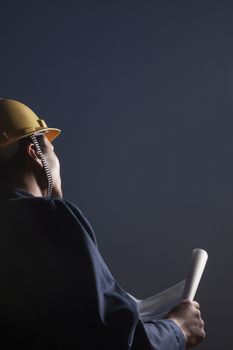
{"x":33,"y":154}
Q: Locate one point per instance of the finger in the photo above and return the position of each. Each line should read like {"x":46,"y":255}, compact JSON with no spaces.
{"x":198,"y":313}
{"x":203,"y":334}
{"x":196,"y":304}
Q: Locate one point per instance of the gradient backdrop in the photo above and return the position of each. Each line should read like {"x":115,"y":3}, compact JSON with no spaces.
{"x":143,"y":92}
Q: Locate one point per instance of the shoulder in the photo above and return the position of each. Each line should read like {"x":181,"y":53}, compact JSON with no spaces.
{"x":60,"y":212}
{"x":73,"y":212}
{"x":49,"y":204}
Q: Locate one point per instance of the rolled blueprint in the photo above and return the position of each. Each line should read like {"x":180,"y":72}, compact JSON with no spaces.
{"x":199,"y":259}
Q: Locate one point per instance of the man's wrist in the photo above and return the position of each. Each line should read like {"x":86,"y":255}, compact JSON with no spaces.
{"x":180,"y":336}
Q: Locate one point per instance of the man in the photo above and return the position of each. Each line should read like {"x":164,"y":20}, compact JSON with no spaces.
{"x":56,"y":291}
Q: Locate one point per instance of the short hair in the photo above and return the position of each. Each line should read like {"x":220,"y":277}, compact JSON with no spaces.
{"x":9,"y":168}
{"x":27,"y":140}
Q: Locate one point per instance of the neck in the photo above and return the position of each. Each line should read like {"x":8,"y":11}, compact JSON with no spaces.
{"x":29,"y":184}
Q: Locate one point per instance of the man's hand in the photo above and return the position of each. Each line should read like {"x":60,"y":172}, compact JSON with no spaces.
{"x":187,"y":316}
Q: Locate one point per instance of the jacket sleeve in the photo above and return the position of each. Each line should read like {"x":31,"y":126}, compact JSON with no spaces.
{"x":109,"y":315}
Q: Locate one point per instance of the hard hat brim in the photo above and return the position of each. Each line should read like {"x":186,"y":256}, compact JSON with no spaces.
{"x":50,"y":133}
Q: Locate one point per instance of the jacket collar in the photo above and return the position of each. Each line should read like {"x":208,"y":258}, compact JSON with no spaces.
{"x":13,"y":192}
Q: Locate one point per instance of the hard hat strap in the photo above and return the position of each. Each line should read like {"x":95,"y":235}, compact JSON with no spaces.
{"x":46,"y":168}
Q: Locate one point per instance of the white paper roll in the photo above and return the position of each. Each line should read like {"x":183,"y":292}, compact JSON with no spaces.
{"x":199,"y":259}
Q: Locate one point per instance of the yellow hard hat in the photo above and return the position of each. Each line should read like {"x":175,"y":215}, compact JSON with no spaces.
{"x":18,"y":121}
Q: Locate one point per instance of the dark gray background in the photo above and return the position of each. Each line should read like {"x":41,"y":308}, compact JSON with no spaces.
{"x":143,"y":93}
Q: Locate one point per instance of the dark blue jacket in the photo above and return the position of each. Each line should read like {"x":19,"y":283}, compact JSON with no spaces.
{"x":56,"y":291}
